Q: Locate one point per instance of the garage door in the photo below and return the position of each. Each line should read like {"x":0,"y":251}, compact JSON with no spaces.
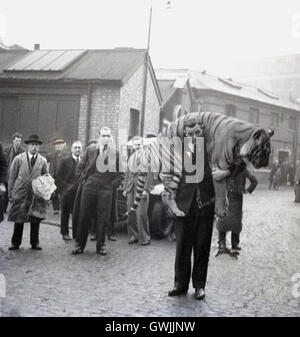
{"x":49,"y":117}
{"x":8,"y":118}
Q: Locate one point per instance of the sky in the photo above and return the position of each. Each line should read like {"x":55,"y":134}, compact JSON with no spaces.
{"x":195,"y":34}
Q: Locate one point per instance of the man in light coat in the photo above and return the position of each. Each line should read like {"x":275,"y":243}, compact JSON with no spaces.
{"x":137,"y":223}
{"x":25,"y":168}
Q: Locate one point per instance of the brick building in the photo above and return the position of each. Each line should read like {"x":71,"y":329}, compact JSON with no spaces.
{"x":243,"y":101}
{"x":72,"y":93}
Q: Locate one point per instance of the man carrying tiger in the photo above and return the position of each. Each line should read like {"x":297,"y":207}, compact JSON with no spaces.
{"x":227,"y":140}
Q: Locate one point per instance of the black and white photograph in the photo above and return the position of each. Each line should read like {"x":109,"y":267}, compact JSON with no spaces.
{"x":149,"y":161}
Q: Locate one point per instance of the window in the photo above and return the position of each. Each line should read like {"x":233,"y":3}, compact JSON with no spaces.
{"x":254,"y":116}
{"x":275,"y":119}
{"x":292,"y":123}
{"x":230,"y":110}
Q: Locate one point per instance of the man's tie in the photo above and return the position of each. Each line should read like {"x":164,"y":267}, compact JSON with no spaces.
{"x":32,"y":161}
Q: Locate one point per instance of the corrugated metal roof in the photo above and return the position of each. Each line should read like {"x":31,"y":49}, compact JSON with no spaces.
{"x":203,"y":80}
{"x":110,"y":64}
{"x":9,"y":57}
{"x":46,"y":60}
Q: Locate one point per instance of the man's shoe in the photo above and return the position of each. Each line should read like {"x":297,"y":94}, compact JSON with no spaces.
{"x":133,"y":240}
{"x":102,"y":251}
{"x":176,"y":291}
{"x":13,"y":247}
{"x":93,"y":237}
{"x":199,"y":294}
{"x":77,"y":251}
{"x":236,"y":248}
{"x":36,"y":247}
{"x":111,"y":238}
{"x":145,"y":243}
{"x":67,"y":238}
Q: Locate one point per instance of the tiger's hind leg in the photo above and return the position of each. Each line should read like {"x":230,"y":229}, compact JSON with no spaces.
{"x":221,"y":204}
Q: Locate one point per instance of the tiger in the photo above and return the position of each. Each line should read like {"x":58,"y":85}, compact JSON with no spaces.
{"x":227,"y":140}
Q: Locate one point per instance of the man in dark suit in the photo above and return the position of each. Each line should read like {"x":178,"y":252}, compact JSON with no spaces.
{"x":54,"y":158}
{"x":3,"y":180}
{"x":194,"y":230}
{"x":100,"y":176}
{"x":10,"y":153}
{"x":68,"y":182}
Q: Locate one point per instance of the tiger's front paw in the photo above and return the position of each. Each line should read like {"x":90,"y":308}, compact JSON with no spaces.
{"x":221,"y":209}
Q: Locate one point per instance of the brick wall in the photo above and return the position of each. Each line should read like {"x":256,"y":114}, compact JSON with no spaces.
{"x":132,"y":98}
{"x":104,"y":111}
{"x":110,"y":106}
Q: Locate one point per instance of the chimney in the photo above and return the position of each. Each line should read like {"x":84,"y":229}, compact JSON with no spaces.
{"x":36,"y":46}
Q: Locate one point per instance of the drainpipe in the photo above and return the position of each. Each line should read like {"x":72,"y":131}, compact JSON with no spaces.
{"x":88,"y":114}
{"x":296,"y":139}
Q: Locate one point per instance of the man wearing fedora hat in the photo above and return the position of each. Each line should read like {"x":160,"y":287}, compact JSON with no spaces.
{"x":25,"y":168}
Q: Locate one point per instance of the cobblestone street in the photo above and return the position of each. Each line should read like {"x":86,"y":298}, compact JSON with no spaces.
{"x":133,"y":280}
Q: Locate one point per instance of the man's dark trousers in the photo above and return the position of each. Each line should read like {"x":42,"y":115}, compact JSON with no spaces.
{"x":193,"y":232}
{"x":67,"y":202}
{"x":95,"y":202}
{"x":18,"y":234}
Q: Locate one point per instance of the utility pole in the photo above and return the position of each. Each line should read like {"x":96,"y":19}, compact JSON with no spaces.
{"x":147,"y":61}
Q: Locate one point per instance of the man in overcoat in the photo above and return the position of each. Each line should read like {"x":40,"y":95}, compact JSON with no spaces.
{"x":54,"y":159}
{"x":3,"y":181}
{"x":25,"y":168}
{"x":236,"y":187}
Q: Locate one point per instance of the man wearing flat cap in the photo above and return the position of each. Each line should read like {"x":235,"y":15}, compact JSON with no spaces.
{"x":54,"y":159}
{"x":25,"y":168}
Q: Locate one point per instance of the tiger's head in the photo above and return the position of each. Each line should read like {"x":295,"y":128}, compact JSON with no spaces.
{"x":258,"y":148}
